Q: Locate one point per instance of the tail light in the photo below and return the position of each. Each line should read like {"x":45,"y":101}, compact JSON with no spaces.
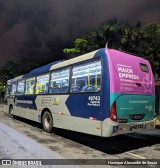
{"x":113,"y":113}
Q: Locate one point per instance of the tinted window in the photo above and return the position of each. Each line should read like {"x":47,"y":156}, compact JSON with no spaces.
{"x":59,"y":81}
{"x":42,"y":84}
{"x":144,"y":68}
{"x":86,"y":77}
{"x":13,"y":88}
{"x":20,"y":87}
{"x":30,"y":84}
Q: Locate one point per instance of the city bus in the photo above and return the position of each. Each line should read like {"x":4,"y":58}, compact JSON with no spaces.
{"x":104,"y":93}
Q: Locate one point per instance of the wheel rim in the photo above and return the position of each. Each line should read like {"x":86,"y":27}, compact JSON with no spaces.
{"x":11,"y":111}
{"x":47,"y":121}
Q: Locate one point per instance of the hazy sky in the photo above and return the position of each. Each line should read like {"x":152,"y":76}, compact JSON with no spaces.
{"x":39,"y":29}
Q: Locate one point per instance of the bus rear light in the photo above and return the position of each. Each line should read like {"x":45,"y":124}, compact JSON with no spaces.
{"x":92,"y":118}
{"x":113,"y":113}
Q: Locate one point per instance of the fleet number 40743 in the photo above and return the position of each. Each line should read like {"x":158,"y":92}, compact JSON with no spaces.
{"x":93,"y":98}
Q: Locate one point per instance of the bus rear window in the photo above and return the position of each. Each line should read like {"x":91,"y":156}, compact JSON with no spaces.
{"x":144,"y":67}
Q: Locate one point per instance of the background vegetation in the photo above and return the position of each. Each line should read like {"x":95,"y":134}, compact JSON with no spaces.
{"x":139,"y":39}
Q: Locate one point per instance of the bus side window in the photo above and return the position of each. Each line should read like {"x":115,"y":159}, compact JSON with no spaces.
{"x":13,"y":88}
{"x":41,"y":84}
{"x":86,"y":77}
{"x":59,"y":81}
{"x":30,"y":84}
{"x":20,"y":87}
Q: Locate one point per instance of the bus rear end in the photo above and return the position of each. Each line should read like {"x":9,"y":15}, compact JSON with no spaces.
{"x":132,"y":95}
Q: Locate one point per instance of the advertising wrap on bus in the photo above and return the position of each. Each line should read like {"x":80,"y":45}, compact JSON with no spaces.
{"x":132,"y":92}
{"x":130,"y":74}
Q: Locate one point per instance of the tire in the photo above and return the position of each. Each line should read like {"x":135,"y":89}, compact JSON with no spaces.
{"x":11,"y":111}
{"x":47,"y":122}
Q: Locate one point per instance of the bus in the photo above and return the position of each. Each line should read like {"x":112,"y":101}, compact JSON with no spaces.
{"x":104,"y":93}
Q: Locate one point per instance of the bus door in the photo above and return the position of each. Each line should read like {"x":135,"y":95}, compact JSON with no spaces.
{"x":10,"y":98}
{"x":7,"y":99}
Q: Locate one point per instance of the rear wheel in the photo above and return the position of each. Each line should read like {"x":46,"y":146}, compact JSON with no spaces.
{"x":47,"y":122}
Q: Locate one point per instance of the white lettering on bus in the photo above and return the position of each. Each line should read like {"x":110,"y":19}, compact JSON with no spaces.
{"x":129,"y":76}
{"x":24,"y":101}
{"x":125,"y":72}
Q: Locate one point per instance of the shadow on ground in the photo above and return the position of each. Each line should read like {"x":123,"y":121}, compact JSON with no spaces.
{"x":111,"y":145}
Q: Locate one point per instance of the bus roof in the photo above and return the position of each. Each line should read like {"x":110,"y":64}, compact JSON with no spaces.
{"x":60,"y":64}
{"x":52,"y":66}
{"x":14,"y":79}
{"x":33,"y":72}
{"x":74,"y":60}
{"x":39,"y":70}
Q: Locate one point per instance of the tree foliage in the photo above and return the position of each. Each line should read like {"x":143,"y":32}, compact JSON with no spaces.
{"x":139,"y":39}
{"x":79,"y":47}
{"x":11,"y":70}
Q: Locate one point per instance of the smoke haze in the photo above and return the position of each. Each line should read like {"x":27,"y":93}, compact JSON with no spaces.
{"x":37,"y":30}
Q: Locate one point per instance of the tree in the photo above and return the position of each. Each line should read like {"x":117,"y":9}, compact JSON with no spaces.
{"x":79,"y":47}
{"x":138,"y":39}
{"x":2,"y":91}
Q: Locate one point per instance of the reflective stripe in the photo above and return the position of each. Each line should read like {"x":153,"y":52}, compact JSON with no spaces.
{"x":92,"y":118}
{"x":61,"y":113}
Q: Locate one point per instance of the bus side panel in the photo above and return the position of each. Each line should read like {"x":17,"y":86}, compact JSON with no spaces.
{"x":69,"y":112}
{"x":85,"y":112}
{"x":23,"y":104}
{"x":88,"y":126}
{"x":56,"y":105}
{"x":65,"y":115}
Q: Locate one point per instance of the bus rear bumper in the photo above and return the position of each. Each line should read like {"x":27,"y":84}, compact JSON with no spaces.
{"x":111,"y":128}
